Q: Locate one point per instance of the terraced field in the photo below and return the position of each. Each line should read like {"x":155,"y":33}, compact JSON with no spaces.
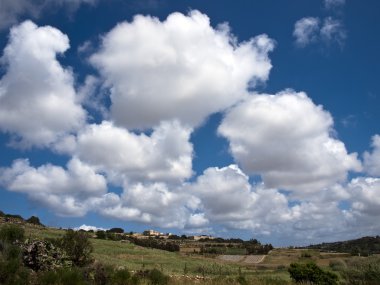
{"x":247,"y":259}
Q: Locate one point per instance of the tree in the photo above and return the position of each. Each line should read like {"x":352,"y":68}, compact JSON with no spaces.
{"x":34,"y":220}
{"x":116,"y":230}
{"x":101,"y":235}
{"x":77,"y":247}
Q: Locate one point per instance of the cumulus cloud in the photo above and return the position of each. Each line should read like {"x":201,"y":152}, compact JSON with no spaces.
{"x":287,"y":140}
{"x":372,"y":159}
{"x":152,"y":203}
{"x":306,"y":31}
{"x":12,"y":10}
{"x":364,"y":213}
{"x":164,"y":155}
{"x":65,"y":191}
{"x":226,"y":198}
{"x":89,"y":228}
{"x":181,"y":68}
{"x":37,"y":105}
{"x":365,"y":193}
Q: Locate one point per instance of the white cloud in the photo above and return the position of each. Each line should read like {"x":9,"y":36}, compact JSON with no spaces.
{"x":37,"y":105}
{"x":197,"y":220}
{"x":165,"y":155}
{"x":332,"y":4}
{"x":226,"y":198}
{"x":12,"y":10}
{"x":66,"y":192}
{"x":89,"y":228}
{"x":372,"y":160}
{"x":154,"y":204}
{"x":309,"y":30}
{"x":286,"y":139}
{"x":180,"y":68}
{"x":306,"y":31}
{"x":365,"y":193}
{"x":333,"y":31}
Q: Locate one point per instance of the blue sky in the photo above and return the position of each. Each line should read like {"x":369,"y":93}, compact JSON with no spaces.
{"x":237,"y":119}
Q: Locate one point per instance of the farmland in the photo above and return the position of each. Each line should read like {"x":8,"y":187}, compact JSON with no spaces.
{"x":191,"y":267}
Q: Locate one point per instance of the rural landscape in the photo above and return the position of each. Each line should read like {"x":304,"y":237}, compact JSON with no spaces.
{"x":170,"y":142}
{"x":34,"y":254}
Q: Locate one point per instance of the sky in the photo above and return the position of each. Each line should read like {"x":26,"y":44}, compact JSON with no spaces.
{"x":249,"y":119}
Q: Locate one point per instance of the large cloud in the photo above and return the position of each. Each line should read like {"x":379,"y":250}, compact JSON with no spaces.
{"x":66,"y":192}
{"x":365,"y":193}
{"x":154,"y":204}
{"x":372,"y":160}
{"x":226,"y":198}
{"x":37,"y":99}
{"x":287,"y":139}
{"x":180,"y":68}
{"x":164,"y":155}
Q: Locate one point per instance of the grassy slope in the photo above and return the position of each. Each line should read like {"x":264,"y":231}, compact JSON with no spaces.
{"x":132,"y":257}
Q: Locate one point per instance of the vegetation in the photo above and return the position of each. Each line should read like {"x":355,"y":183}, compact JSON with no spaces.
{"x":156,"y":243}
{"x":34,"y":220}
{"x":310,"y":272}
{"x":363,"y":246}
{"x":77,"y":246}
{"x":116,"y":230}
{"x":53,"y":256}
{"x":10,"y":233}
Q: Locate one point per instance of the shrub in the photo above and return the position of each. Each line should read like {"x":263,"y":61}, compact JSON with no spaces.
{"x":363,"y":271}
{"x":241,"y":280}
{"x":34,"y":220}
{"x":121,"y":277}
{"x":116,"y":230}
{"x":157,"y":277}
{"x":64,"y":276}
{"x":11,"y":233}
{"x":310,"y":272}
{"x":44,"y":255}
{"x":11,"y":272}
{"x":77,"y":247}
{"x":337,"y":265}
{"x":101,"y":235}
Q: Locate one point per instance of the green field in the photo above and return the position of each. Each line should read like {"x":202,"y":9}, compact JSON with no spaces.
{"x":191,"y":268}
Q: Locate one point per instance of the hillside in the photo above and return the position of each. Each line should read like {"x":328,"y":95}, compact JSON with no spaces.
{"x":362,"y":246}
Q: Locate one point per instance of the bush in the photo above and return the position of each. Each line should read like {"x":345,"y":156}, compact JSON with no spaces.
{"x":101,"y":235}
{"x":241,"y":280}
{"x":337,"y":265}
{"x":121,"y":277}
{"x":11,"y":233}
{"x":77,"y":247}
{"x":44,"y":255}
{"x":62,"y":277}
{"x":116,"y":230}
{"x":157,"y":277}
{"x":34,"y":220}
{"x":363,"y":271}
{"x":11,"y":272}
{"x":310,"y":272}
